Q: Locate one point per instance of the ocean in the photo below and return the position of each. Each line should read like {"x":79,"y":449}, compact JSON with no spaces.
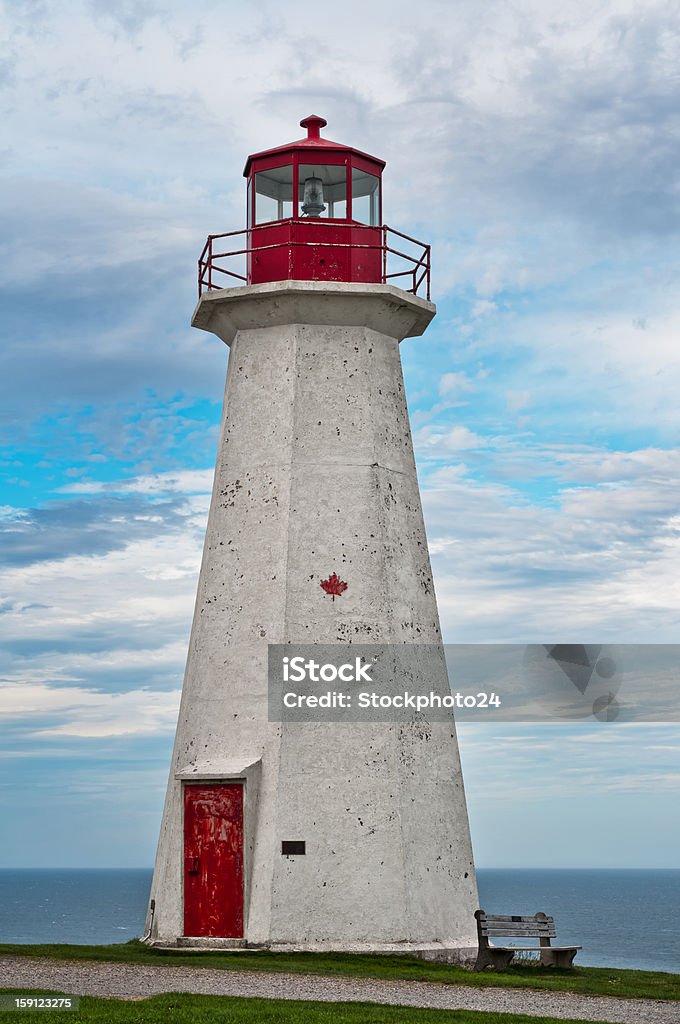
{"x":621,"y":918}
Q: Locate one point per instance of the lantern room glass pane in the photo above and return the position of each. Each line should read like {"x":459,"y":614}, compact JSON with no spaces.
{"x":274,"y":194}
{"x":331,"y":194}
{"x":365,"y":197}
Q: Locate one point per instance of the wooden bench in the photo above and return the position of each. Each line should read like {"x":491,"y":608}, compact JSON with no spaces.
{"x":541,"y":927}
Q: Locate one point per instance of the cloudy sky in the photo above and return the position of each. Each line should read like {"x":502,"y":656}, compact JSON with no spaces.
{"x":536,"y":145}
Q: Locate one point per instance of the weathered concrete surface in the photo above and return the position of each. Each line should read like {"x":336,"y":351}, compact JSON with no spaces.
{"x":315,"y":474}
{"x":380,"y":307}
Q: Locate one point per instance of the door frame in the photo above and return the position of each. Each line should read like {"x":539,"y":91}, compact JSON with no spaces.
{"x":246,"y":769}
{"x":245,"y":851}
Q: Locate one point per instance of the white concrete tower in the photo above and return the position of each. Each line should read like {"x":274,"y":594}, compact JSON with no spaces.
{"x":312,"y":835}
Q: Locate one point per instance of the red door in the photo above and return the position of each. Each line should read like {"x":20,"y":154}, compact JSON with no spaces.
{"x":213,"y":860}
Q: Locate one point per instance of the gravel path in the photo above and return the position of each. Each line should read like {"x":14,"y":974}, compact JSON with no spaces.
{"x":131,"y":981}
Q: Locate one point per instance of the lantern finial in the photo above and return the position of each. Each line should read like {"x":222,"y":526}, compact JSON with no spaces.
{"x":313,"y":124}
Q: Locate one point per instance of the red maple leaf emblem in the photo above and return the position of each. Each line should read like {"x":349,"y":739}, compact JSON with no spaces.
{"x":333,"y":586}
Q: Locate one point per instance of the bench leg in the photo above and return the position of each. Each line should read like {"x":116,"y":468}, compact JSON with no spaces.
{"x":563,"y":958}
{"x":502,"y":958}
{"x":483,"y":960}
{"x":495,"y":958}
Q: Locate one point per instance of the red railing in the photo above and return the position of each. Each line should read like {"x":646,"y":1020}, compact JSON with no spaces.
{"x":215,"y":260}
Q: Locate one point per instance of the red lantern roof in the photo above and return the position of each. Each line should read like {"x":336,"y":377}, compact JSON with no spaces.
{"x":313,"y":124}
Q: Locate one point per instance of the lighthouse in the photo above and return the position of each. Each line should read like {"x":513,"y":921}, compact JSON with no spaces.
{"x":312,"y":835}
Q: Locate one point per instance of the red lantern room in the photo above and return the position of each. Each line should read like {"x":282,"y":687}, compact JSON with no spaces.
{"x":314,"y":213}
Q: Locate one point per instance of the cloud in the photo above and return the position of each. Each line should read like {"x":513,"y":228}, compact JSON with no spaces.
{"x":129,"y":15}
{"x":600,"y":777}
{"x":76,"y":711}
{"x":180,"y":482}
{"x":659,"y":466}
{"x":84,"y":528}
{"x":518,"y":400}
{"x":572,"y":114}
{"x":593,"y":563}
{"x":520,"y":456}
{"x":453,"y":384}
{"x":482,"y":308}
{"x":96,"y":603}
{"x":457,"y":438}
{"x":596,"y":760}
{"x":117,"y":287}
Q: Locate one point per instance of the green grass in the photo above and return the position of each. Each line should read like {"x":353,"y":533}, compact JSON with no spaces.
{"x":187,"y":1009}
{"x":583,"y":980}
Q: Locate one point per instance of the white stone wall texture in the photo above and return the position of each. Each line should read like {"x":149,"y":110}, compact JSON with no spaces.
{"x":315,"y":474}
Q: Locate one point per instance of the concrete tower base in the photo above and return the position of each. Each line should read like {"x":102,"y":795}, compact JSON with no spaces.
{"x":434,"y":952}
{"x":315,"y":474}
